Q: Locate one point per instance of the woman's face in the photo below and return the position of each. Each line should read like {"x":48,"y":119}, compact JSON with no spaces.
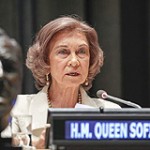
{"x":69,"y":58}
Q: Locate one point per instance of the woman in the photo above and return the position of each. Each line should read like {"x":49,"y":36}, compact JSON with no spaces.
{"x":64,"y":60}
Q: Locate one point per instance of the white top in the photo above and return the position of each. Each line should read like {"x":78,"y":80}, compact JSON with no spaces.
{"x":37,"y":106}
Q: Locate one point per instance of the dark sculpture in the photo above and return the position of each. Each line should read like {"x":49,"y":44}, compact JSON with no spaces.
{"x":10,"y":75}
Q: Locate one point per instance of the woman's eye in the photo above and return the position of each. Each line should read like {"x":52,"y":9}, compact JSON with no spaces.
{"x":82,"y":51}
{"x":63,"y":52}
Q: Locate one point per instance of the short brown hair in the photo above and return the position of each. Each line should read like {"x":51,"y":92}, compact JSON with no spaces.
{"x":37,"y":56}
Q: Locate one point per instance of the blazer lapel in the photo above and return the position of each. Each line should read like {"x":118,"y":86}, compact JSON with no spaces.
{"x":39,"y":109}
{"x":86,"y":99}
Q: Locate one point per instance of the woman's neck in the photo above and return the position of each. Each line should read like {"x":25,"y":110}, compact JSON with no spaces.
{"x":65,"y":97}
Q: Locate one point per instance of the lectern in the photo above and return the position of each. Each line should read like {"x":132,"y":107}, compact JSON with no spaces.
{"x":98,"y":129}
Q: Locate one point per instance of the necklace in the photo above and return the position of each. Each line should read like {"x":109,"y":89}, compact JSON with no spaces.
{"x":50,"y":102}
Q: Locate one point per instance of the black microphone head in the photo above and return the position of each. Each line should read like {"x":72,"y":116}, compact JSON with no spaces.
{"x":101,"y":94}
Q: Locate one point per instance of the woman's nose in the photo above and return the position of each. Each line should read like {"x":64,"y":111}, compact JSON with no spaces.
{"x":74,"y":62}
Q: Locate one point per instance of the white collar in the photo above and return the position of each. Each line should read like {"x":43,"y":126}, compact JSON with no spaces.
{"x":40,"y":99}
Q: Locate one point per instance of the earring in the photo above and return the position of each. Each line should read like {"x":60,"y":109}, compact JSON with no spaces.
{"x":86,"y":83}
{"x":47,"y":79}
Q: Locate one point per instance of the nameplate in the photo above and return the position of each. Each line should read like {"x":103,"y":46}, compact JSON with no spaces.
{"x":107,"y":130}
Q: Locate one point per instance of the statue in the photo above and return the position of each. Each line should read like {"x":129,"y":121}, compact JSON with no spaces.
{"x":10,"y":75}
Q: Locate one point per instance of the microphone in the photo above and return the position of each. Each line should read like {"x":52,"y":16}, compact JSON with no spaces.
{"x":102,"y":94}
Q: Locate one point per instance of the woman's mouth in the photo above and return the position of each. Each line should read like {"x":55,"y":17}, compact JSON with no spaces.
{"x":73,"y":74}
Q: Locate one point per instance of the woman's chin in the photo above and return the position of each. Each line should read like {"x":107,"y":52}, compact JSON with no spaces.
{"x":72,"y":83}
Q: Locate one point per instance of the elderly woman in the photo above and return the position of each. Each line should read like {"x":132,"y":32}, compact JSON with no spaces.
{"x":64,"y":60}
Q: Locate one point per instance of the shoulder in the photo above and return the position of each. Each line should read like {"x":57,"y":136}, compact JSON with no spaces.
{"x":22,"y":104}
{"x":96,"y":102}
{"x":105,"y":103}
{"x":24,"y":99}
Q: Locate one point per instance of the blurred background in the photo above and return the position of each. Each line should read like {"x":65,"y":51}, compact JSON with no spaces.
{"x":123,"y":28}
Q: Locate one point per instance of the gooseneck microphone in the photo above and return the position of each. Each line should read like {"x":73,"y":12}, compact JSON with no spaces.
{"x":102,"y":94}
